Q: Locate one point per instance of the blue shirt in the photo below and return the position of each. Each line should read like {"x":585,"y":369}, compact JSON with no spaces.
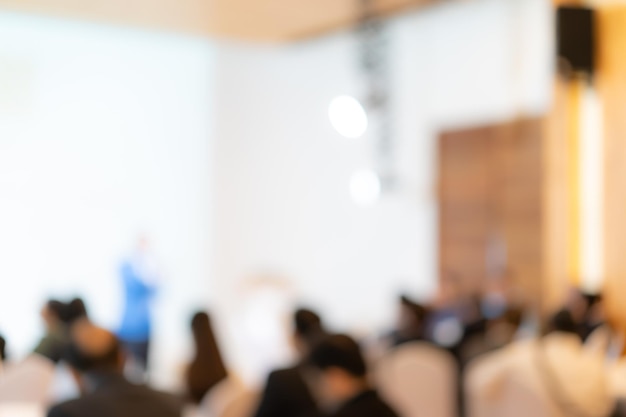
{"x":136,"y":323}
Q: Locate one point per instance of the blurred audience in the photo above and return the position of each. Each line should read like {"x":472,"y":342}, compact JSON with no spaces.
{"x":286,"y":393}
{"x":97,"y":360}
{"x":340,"y":379}
{"x":568,"y":364}
{"x":207,"y":368}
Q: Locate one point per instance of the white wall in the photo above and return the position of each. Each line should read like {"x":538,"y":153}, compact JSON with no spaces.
{"x":282,"y":172}
{"x":104,"y":133}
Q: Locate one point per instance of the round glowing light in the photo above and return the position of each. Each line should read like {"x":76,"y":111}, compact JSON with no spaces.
{"x":347,"y":116}
{"x":365,"y":187}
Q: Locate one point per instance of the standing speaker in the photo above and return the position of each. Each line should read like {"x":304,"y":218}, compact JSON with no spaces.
{"x":576,"y":38}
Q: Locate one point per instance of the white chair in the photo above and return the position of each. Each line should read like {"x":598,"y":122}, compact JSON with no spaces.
{"x":63,"y":386}
{"x":230,"y":398}
{"x":419,"y":380}
{"x":555,"y":377}
{"x":28,"y":381}
{"x":491,"y":394}
{"x":21,"y":410}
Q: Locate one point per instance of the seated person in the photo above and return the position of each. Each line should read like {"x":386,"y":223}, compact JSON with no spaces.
{"x":207,"y":367}
{"x":52,"y":345}
{"x":339,"y":377}
{"x":286,"y":393}
{"x":411,"y":322}
{"x":96,"y":358}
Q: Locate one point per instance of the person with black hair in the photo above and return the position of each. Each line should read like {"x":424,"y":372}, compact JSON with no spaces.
{"x":286,"y":393}
{"x":3,"y":350}
{"x":76,"y":310}
{"x":55,"y":317}
{"x":411,"y":322}
{"x":340,"y":380}
{"x":207,"y":368}
{"x":97,"y":360}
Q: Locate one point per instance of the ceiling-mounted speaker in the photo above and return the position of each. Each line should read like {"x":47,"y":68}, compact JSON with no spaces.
{"x":576,"y":39}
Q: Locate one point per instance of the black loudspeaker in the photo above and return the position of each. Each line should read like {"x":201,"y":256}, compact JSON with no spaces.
{"x":576,"y":38}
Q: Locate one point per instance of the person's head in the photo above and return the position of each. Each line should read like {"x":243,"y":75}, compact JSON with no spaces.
{"x":93,"y":350}
{"x":3,"y":346}
{"x":502,"y":330}
{"x":54,"y":314}
{"x":596,"y":312}
{"x":76,"y":310}
{"x":208,"y":365}
{"x":412,"y":317}
{"x":562,"y":322}
{"x":203,"y":334}
{"x":338,"y":369}
{"x":577,"y":304}
{"x":307,"y":330}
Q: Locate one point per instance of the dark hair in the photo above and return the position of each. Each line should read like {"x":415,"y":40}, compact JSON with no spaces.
{"x":418,"y":311}
{"x":107,"y":360}
{"x":514,"y":317}
{"x":207,"y":368}
{"x":306,"y":322}
{"x":339,"y":351}
{"x":562,"y":321}
{"x":592,"y":299}
{"x":3,"y":352}
{"x":58,"y":309}
{"x":76,"y":310}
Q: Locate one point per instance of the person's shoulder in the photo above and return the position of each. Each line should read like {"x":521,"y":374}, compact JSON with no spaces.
{"x":284,"y":374}
{"x":378,"y":406}
{"x":368,"y":404}
{"x":69,"y":408}
{"x":160,"y":396}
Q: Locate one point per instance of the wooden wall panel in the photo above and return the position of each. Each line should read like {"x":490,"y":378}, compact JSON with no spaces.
{"x":491,"y":181}
{"x":611,"y":82}
{"x":464,"y":206}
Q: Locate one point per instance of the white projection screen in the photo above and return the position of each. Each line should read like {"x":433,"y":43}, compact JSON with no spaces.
{"x":104,"y":135}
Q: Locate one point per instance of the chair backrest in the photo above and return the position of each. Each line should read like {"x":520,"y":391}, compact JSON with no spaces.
{"x":21,"y":410}
{"x":511,"y":395}
{"x":508,"y":383}
{"x":28,"y":381}
{"x":418,"y":380}
{"x":63,"y":386}
{"x":229,"y":398}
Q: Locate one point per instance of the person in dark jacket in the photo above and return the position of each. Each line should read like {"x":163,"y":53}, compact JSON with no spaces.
{"x":96,"y":358}
{"x":207,"y":368}
{"x":286,"y":393}
{"x":53,"y":343}
{"x":339,"y":375}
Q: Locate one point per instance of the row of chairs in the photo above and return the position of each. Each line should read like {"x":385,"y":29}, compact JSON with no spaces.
{"x":416,"y":379}
{"x":29,"y":387}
